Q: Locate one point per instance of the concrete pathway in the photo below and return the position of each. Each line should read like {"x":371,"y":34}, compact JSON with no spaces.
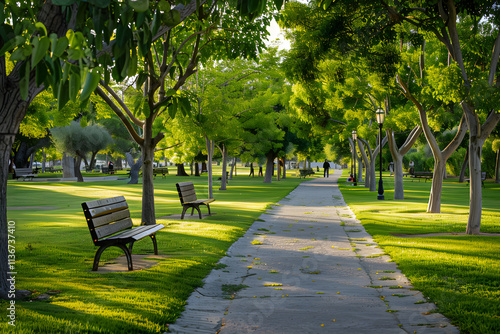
{"x":308,"y":266}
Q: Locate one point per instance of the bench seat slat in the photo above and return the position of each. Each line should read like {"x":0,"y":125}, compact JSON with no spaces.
{"x":110,"y":229}
{"x":137,"y":233}
{"x":200,"y":201}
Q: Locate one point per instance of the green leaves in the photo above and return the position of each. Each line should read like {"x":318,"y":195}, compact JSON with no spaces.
{"x":139,"y":5}
{"x":63,"y":2}
{"x":171,"y":18}
{"x":40,"y":48}
{"x":325,"y":4}
{"x":59,"y":45}
{"x":91,"y":83}
{"x":76,"y":44}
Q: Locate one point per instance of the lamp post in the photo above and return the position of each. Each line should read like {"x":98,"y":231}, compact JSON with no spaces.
{"x":380,"y":120}
{"x":354,"y":138}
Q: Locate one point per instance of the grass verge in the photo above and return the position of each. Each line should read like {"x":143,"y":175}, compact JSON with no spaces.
{"x":460,"y":274}
{"x":54,"y":253}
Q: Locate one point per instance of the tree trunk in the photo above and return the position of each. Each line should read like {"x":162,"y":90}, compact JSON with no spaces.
{"x":210,"y":153}
{"x":373,"y":177}
{"x":224,"y":168}
{"x":284,"y":168}
{"x":465,"y":164}
{"x":233,"y":169}
{"x":93,"y":160}
{"x":278,"y":170}
{"x":135,"y":168}
{"x":6,"y":141}
{"x":397,"y":157}
{"x":434,"y":205}
{"x":181,"y":171}
{"x":78,"y":172}
{"x":497,"y":168}
{"x":269,"y":167}
{"x":474,"y":222}
{"x":477,"y":136}
{"x":366,"y":161}
{"x":196,"y":169}
{"x":148,"y":196}
{"x":360,"y":169}
{"x":44,"y":159}
{"x":68,"y":164}
{"x":12,"y":111}
{"x":398,"y":176}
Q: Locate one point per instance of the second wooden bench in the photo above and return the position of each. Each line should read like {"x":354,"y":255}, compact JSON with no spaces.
{"x":188,"y":198}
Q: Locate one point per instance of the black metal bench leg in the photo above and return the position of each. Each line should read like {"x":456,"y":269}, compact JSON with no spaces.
{"x":130,"y":245}
{"x":192,"y":210}
{"x":184,"y":209}
{"x":209,"y":213}
{"x":102,"y":248}
{"x":197,"y":207}
{"x":153,"y":237}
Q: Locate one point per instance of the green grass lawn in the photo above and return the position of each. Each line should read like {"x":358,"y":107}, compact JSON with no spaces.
{"x":54,"y":252}
{"x":461,"y":274}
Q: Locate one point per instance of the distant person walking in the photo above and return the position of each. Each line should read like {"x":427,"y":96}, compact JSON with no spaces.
{"x":326,"y":167}
{"x":111,"y":168}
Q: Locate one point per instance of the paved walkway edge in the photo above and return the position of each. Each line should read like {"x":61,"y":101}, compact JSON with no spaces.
{"x":308,"y":266}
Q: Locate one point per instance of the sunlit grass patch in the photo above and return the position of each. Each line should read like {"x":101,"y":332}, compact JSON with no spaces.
{"x":54,"y":252}
{"x":458,"y":273}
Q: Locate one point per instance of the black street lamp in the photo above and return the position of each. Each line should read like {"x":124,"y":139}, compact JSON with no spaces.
{"x":354,"y":138}
{"x":380,"y":120}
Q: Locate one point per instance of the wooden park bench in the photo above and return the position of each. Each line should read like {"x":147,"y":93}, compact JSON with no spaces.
{"x":422,"y":175}
{"x":53,"y":170}
{"x":106,"y":170}
{"x":305,"y":172}
{"x":24,"y":173}
{"x":188,"y":198}
{"x":483,"y":177}
{"x":110,"y":224}
{"x":160,"y":170}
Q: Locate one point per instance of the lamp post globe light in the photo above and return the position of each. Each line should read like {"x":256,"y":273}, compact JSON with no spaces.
{"x":354,"y":138}
{"x":380,"y":120}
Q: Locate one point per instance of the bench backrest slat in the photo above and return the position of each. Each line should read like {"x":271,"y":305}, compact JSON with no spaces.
{"x":186,"y":192}
{"x":106,"y":219}
{"x":23,"y":171}
{"x":110,"y":229}
{"x":107,"y":216}
{"x":107,"y":209}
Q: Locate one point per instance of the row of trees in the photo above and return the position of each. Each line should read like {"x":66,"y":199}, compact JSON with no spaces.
{"x":152,"y":48}
{"x":431,"y":66}
{"x":167,"y":71}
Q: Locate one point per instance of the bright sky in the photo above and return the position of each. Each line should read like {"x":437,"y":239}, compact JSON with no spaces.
{"x":277,"y":36}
